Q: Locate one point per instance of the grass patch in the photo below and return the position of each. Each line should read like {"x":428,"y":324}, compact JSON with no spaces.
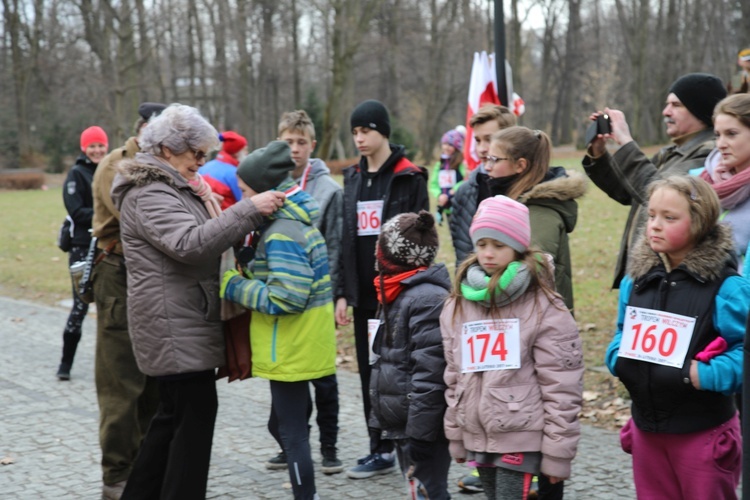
{"x":31,"y":265}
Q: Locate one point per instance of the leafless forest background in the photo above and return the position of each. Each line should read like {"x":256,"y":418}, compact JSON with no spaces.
{"x":68,"y":64}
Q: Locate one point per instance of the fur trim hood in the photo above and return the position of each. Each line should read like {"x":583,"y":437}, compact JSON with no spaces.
{"x":141,"y":171}
{"x":705,"y":261}
{"x":558,"y":191}
{"x":560,"y":185}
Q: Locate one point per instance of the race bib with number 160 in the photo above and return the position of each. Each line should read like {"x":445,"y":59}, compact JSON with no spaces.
{"x":656,"y":336}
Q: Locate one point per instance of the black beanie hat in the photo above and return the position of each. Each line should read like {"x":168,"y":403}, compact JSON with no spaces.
{"x":406,"y":242}
{"x":372,"y":114}
{"x":148,"y":109}
{"x":266,"y":168}
{"x":700,"y":93}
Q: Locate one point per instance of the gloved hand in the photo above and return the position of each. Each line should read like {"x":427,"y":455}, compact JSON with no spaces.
{"x":420,"y":450}
{"x":714,"y":348}
{"x":229,"y":281}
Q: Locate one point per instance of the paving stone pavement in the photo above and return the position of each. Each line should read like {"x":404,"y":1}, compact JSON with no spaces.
{"x":50,"y":429}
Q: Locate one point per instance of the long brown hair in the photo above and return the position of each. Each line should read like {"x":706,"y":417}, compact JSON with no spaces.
{"x":532,"y":145}
{"x":455,"y":160}
{"x":540,"y":269}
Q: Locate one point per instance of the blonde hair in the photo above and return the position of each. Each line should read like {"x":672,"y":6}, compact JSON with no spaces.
{"x":297,"y":121}
{"x":702,"y":200}
{"x":532,"y":145}
{"x":502,"y":115}
{"x":736,"y":106}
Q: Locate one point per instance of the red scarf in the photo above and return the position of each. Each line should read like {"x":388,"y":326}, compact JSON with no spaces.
{"x":392,"y":284}
{"x":227,"y":158}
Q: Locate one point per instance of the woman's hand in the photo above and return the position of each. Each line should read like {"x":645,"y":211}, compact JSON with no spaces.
{"x":694,"y":379}
{"x":268,"y":202}
{"x":341,"y":317}
{"x":555,"y":480}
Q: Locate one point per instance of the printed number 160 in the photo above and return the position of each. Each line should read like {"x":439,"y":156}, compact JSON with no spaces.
{"x":649,"y":340}
{"x":498,"y":348}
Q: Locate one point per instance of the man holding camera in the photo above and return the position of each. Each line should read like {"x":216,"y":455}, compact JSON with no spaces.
{"x":625,"y":174}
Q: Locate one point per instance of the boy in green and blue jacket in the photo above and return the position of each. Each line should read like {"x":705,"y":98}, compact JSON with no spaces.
{"x":287,"y":286}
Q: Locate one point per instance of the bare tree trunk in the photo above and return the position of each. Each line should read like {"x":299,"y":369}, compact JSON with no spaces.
{"x":636,"y":42}
{"x":170,"y":16}
{"x":20,"y":78}
{"x":516,"y":49}
{"x":191,"y":62}
{"x":269,"y":73}
{"x":246,"y":87}
{"x":744,"y":32}
{"x":295,"y":57}
{"x":547,"y":69}
{"x":217,"y":97}
{"x":350,"y":21}
{"x":388,"y":56}
{"x":563,"y":131}
{"x":437,"y":95}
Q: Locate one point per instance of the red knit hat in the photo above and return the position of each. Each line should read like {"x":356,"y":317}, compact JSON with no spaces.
{"x":232,"y":142}
{"x":92,"y":135}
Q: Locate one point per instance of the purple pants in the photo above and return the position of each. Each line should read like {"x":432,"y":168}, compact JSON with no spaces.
{"x":705,"y":464}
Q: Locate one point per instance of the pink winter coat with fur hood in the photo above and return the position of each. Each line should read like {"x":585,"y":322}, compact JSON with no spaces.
{"x":533,"y":408}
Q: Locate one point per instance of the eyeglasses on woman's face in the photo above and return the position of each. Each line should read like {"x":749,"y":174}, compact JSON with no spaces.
{"x":199,"y":155}
{"x":491,"y":160}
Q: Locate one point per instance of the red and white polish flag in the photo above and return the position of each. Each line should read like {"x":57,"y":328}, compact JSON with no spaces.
{"x":483,"y":90}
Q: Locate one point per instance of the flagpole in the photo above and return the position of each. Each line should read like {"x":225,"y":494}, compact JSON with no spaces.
{"x":502,"y":85}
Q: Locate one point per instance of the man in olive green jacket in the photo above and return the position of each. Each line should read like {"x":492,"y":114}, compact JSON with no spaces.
{"x":625,"y":175}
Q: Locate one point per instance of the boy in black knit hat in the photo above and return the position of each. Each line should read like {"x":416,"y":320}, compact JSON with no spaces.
{"x":406,"y":384}
{"x":382,"y":185}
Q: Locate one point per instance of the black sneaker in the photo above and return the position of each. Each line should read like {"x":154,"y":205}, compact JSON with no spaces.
{"x":278,"y":462}
{"x":330,"y":464}
{"x":63,"y":372}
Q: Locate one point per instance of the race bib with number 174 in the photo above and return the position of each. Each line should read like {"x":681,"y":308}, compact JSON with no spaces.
{"x":490,"y":345}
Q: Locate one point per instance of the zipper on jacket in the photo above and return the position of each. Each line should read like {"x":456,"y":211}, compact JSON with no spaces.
{"x":273,"y":339}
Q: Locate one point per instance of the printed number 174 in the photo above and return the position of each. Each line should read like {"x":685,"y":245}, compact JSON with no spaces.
{"x":498,"y":347}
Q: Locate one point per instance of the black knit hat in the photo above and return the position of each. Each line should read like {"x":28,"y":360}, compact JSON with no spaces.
{"x":700,"y":93}
{"x":267,"y":167}
{"x":406,"y":242}
{"x":372,"y":114}
{"x":148,"y":109}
